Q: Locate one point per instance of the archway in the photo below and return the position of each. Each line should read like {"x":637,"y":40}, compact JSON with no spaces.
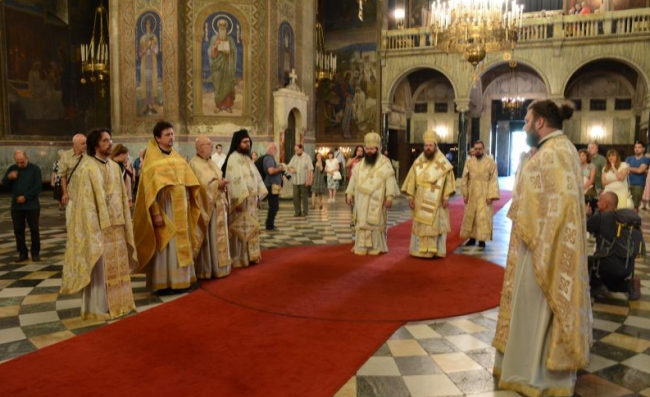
{"x":498,"y":124}
{"x":421,"y":100}
{"x":609,"y":96}
{"x":289,"y":137}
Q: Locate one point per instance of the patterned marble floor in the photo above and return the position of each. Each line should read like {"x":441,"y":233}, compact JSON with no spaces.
{"x":450,"y":357}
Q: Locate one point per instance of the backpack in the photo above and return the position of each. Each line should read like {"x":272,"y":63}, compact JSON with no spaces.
{"x":629,"y":241}
{"x":259,"y":164}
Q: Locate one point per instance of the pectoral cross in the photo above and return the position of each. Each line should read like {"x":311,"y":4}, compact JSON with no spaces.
{"x":293,"y":76}
{"x":435,"y":187}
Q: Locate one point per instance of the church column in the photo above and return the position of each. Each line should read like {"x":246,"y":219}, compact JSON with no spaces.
{"x":462,"y":106}
{"x":384,"y":125}
{"x":645,"y":118}
{"x":409,"y":115}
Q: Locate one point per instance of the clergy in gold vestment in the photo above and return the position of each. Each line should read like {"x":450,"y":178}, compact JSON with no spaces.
{"x":246,"y":190}
{"x":429,"y":184}
{"x":213,"y":258}
{"x":479,"y":188}
{"x":100,"y":251}
{"x":371,"y":189}
{"x":167,"y":217}
{"x":543,"y":333}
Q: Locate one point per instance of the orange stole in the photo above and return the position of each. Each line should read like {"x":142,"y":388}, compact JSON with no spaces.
{"x":172,"y":172}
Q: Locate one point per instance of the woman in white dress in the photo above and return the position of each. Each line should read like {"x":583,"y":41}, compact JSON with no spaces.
{"x":331,"y":167}
{"x":615,"y":177}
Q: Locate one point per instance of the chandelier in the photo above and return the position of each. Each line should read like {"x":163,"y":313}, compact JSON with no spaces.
{"x":473,"y":28}
{"x":94,"y":55}
{"x":325,"y":62}
{"x":512,"y":102}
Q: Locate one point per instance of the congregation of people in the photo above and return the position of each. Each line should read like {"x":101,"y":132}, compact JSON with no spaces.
{"x":178,"y":221}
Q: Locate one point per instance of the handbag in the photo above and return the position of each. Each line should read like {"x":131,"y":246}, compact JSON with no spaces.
{"x":337,"y":176}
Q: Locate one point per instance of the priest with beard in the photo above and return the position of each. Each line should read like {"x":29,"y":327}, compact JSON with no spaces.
{"x":544,"y":331}
{"x":213,"y":255}
{"x":246,"y":190}
{"x":371,"y":191}
{"x":479,"y":188}
{"x":100,"y":252}
{"x":429,"y":184}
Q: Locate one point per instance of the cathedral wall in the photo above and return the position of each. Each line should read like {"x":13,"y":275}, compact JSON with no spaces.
{"x":163,"y":67}
{"x":348,"y":105}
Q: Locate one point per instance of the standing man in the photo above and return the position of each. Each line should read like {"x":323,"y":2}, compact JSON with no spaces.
{"x":219,"y":157}
{"x":273,"y":183}
{"x":223,"y":65}
{"x":371,"y":191}
{"x":25,"y":181}
{"x":246,"y":191}
{"x":479,"y":188}
{"x":100,"y":252}
{"x":68,"y":164}
{"x":429,"y":184}
{"x":543,"y":333}
{"x":166,"y":215}
{"x":638,"y":167}
{"x":213,"y":255}
{"x":600,"y":162}
{"x":303,"y":170}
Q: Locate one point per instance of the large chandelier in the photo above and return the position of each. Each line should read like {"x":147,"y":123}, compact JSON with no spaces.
{"x":512,"y":102}
{"x":94,"y":55}
{"x":325,"y":62}
{"x":473,"y":28}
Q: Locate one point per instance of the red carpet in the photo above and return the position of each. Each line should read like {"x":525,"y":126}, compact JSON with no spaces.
{"x":337,"y":309}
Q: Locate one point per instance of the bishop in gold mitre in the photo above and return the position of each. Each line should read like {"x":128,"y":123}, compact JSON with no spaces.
{"x":371,"y":191}
{"x":429,"y":185}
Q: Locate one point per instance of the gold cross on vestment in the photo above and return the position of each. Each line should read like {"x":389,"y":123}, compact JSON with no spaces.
{"x":435,"y":187}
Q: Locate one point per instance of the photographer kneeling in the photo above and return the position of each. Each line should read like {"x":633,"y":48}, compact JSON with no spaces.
{"x":617,"y":246}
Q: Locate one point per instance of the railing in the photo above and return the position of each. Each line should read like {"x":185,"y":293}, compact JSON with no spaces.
{"x":564,"y":27}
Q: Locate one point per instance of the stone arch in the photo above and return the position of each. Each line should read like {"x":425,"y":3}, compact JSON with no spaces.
{"x":642,"y":73}
{"x":591,"y":75}
{"x":524,"y":62}
{"x":397,"y":80}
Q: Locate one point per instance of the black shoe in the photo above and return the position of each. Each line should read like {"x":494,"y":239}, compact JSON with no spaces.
{"x":272,"y":229}
{"x":481,"y":244}
{"x":599,"y":292}
{"x":36,"y":258}
{"x":22,"y":258}
{"x":470,"y":243}
{"x":296,"y":214}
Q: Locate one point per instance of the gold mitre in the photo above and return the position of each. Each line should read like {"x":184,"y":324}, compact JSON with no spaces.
{"x":431,"y":136}
{"x":372,"y":139}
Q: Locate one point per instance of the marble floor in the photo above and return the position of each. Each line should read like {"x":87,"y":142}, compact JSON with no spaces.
{"x":449,"y":357}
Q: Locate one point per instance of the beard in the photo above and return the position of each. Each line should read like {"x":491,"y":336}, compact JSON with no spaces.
{"x":371,"y":159}
{"x":479,"y":156}
{"x":532,"y":138}
{"x":429,"y":155}
{"x":244,"y":150}
{"x":223,"y":33}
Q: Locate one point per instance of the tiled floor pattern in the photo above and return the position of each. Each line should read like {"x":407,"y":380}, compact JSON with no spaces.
{"x":450,"y":357}
{"x":453,"y":357}
{"x":33,"y":315}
